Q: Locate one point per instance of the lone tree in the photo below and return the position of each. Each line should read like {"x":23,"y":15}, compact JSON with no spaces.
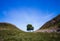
{"x":30,"y":27}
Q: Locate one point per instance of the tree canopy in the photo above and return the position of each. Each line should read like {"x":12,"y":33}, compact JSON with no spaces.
{"x":30,"y":27}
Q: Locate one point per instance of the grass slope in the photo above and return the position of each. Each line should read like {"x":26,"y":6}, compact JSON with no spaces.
{"x":11,"y":33}
{"x":10,"y":36}
{"x":55,"y":22}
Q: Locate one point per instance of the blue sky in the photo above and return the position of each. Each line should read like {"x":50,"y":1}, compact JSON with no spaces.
{"x":23,"y":12}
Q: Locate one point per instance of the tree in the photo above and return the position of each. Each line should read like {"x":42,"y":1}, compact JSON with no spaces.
{"x":30,"y":27}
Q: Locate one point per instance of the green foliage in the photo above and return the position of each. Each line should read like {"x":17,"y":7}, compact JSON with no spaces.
{"x":30,"y":27}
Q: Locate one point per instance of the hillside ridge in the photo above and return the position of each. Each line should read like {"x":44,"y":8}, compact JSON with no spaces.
{"x":51,"y":26}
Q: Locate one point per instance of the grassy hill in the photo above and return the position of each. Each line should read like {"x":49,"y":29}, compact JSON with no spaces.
{"x":9,"y":32}
{"x":8,"y":26}
{"x":53,"y":25}
{"x":29,"y":36}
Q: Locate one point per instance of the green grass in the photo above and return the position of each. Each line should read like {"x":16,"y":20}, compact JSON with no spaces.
{"x":6,"y":35}
{"x":10,"y":32}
